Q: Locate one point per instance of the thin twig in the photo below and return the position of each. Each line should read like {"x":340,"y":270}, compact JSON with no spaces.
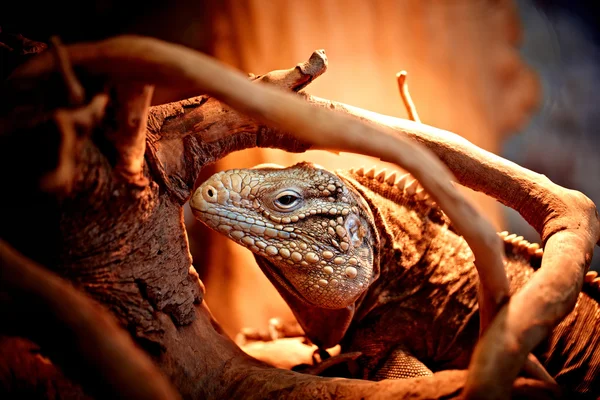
{"x":406,"y":98}
{"x":75,"y":91}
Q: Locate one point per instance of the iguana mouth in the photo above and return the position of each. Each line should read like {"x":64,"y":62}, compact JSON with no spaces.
{"x":271,"y":270}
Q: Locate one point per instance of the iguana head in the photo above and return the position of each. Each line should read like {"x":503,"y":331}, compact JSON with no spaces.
{"x":314,"y":231}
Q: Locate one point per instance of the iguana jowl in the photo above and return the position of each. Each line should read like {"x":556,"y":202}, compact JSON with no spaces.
{"x":367,"y":260}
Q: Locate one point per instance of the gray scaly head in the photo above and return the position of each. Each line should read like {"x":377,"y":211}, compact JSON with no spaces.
{"x":312,"y":229}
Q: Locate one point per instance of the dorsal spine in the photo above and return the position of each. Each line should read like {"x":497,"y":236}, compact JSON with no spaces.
{"x":410,"y":187}
{"x":405,"y":183}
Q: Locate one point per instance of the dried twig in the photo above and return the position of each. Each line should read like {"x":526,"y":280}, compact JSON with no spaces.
{"x":73,"y":125}
{"x":299,"y":77}
{"x":74,"y":87}
{"x":406,"y":98}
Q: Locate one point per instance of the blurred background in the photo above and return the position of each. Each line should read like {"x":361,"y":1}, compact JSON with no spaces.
{"x":562,"y":141}
{"x":519,"y":78}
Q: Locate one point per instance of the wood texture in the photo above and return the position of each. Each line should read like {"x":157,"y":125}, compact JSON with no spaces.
{"x":125,"y":244}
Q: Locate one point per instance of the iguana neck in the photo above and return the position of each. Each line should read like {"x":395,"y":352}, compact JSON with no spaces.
{"x":324,"y":327}
{"x":410,"y":227}
{"x":413,"y":229}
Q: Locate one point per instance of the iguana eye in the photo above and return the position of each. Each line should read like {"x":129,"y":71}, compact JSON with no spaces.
{"x":287,"y":200}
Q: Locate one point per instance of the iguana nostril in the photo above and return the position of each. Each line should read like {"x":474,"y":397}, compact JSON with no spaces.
{"x":210,"y":193}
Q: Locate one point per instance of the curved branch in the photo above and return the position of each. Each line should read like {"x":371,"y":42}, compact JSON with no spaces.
{"x":103,"y":357}
{"x":204,"y":130}
{"x":75,"y":91}
{"x":532,"y":365}
{"x":566,"y":219}
{"x":59,"y":136}
{"x":95,"y":350}
{"x":79,"y":333}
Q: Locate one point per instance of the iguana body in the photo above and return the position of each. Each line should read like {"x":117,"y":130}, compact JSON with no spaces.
{"x":368,"y":261}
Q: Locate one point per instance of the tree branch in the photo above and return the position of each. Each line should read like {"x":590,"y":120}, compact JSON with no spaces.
{"x":532,"y":366}
{"x":130,"y":106}
{"x":154,"y":61}
{"x":566,"y":219}
{"x":406,"y":98}
{"x":79,"y":333}
{"x":297,"y":78}
{"x":74,"y":89}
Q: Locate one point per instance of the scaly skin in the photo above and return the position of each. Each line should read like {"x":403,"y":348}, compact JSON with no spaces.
{"x":368,"y":261}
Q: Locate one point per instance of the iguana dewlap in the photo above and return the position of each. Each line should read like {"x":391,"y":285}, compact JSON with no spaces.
{"x":367,"y":260}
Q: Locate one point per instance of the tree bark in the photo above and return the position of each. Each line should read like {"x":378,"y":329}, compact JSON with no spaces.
{"x":122,"y":239}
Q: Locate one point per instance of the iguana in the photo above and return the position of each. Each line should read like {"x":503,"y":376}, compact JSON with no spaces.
{"x":367,"y":260}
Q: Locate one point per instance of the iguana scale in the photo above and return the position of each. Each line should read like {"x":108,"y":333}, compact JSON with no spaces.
{"x":366,"y":259}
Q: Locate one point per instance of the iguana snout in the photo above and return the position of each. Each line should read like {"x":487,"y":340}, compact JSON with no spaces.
{"x":310,"y":227}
